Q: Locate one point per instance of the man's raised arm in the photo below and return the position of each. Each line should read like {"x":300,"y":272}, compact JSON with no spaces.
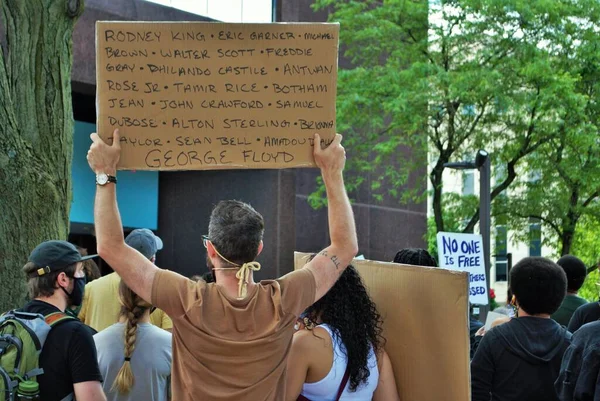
{"x":134,"y":268}
{"x":331,"y":262}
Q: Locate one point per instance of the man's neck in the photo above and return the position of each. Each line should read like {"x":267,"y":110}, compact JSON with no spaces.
{"x":55,"y":300}
{"x":227,"y":280}
{"x":522,"y":313}
{"x":572,"y":292}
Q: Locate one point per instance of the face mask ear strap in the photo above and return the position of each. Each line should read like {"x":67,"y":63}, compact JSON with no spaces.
{"x":65,"y":291}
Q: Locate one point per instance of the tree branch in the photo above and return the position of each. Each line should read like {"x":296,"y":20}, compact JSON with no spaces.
{"x":553,"y":225}
{"x":473,"y":125}
{"x":436,"y":139}
{"x":591,"y":198}
{"x":416,"y":42}
{"x":526,"y":148}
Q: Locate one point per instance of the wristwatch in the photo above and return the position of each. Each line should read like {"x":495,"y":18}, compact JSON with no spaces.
{"x":103,"y":179}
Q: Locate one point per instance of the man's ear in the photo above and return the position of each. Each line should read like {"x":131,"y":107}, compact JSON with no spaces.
{"x":62,"y":280}
{"x":210,"y":250}
{"x":260,"y":248}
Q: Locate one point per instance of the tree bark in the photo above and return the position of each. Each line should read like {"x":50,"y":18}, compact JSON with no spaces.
{"x":567,"y":241}
{"x":570,"y":222}
{"x":36,"y":132}
{"x":436,"y":182}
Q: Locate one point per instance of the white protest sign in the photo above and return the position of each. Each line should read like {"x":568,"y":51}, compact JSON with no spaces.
{"x":464,"y":252}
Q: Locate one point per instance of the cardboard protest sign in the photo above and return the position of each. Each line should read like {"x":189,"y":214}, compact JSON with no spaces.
{"x":204,"y":95}
{"x":426,"y":326}
{"x":464,"y":252}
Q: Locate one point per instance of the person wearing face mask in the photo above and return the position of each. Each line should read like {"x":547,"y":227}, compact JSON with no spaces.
{"x":56,"y":281}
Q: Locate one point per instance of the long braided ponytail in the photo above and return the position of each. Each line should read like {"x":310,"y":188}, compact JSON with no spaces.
{"x":132,"y":308}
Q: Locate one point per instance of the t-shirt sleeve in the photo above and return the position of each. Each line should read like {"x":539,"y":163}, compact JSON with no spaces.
{"x":82,"y":357}
{"x":174,"y":293}
{"x":298,"y":290}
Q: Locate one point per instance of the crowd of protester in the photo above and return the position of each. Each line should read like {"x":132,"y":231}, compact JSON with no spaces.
{"x":313,"y":334}
{"x":546,"y":348}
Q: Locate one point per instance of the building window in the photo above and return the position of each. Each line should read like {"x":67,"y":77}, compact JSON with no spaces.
{"x":468,"y":182}
{"x":501,"y":253}
{"x":535,"y":238}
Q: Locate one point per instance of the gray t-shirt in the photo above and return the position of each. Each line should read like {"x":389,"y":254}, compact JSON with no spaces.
{"x":150,"y":362}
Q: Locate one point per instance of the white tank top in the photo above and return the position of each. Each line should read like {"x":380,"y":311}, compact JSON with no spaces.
{"x":327,"y":388}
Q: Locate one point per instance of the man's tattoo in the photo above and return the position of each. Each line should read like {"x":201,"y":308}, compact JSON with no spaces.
{"x":334,"y":259}
{"x":336,"y":262}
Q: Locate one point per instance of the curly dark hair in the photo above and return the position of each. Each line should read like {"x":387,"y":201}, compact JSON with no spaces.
{"x":353,"y":318}
{"x":575,"y":270}
{"x":415,"y":256}
{"x":538,"y":284}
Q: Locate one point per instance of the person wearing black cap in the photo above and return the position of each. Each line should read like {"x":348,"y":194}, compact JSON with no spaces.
{"x":576,"y":271}
{"x":55,"y":281}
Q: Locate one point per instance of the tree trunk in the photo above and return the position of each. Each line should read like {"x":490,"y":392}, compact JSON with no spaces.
{"x":436,"y":182}
{"x":36,"y":132}
{"x":567,"y":241}
{"x":570,"y":222}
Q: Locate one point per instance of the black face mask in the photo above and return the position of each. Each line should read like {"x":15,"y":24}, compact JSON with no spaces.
{"x":76,"y":296}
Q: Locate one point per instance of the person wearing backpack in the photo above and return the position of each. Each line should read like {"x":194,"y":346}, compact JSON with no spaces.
{"x":55,"y":281}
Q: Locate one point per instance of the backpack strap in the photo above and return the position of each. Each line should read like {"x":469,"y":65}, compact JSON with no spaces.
{"x":51,"y":320}
{"x":57,"y":317}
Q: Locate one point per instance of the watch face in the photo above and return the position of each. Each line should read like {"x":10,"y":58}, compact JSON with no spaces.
{"x":101,"y":179}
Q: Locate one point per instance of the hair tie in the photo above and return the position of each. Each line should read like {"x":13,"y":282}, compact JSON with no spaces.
{"x":127,"y":359}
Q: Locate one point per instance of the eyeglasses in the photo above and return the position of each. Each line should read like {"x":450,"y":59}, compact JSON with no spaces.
{"x":205,"y":240}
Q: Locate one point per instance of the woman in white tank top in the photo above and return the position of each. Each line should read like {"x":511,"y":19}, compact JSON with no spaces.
{"x":341,"y":334}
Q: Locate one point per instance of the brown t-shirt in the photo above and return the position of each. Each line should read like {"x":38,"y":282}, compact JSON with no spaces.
{"x":227,"y":349}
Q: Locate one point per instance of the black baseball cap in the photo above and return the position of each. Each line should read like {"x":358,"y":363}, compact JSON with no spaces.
{"x":52,"y":256}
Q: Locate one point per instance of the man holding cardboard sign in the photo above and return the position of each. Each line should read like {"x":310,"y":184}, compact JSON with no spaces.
{"x":230,"y":338}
